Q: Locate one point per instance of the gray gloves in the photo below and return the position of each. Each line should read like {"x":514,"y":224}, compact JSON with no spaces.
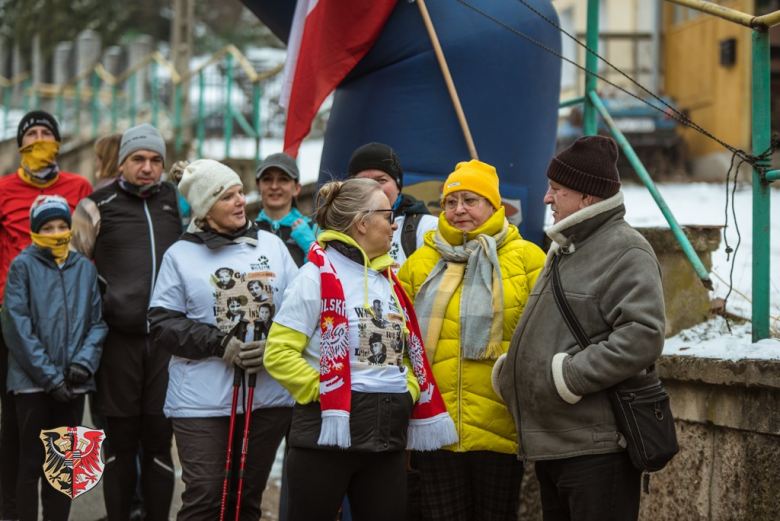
{"x":244,"y":355}
{"x":252,"y":356}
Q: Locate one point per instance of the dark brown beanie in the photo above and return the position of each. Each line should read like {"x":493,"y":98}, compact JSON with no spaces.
{"x":589,"y":166}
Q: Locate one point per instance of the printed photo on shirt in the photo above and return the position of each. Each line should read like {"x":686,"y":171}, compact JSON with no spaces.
{"x":381,"y":336}
{"x":248,"y":296}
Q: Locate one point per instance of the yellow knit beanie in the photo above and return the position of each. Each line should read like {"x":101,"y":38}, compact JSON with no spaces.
{"x":477,"y":177}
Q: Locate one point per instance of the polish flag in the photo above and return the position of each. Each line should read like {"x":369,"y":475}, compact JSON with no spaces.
{"x":327,"y":39}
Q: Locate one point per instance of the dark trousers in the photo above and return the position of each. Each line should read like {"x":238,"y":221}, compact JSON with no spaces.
{"x":374,"y":482}
{"x":37,"y":411}
{"x":202,"y":445}
{"x":476,"y":485}
{"x":601,"y":487}
{"x":9,"y":440}
{"x":154,"y":432}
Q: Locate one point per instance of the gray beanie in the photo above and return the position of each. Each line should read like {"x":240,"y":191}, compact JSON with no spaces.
{"x":141,"y":137}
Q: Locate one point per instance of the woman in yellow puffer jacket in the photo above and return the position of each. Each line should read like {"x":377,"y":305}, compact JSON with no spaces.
{"x":469,"y":284}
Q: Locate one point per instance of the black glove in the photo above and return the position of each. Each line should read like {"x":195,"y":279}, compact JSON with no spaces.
{"x":77,"y":374}
{"x":62,"y":393}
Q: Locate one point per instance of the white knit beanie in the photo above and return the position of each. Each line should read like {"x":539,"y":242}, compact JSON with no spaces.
{"x":204,"y":182}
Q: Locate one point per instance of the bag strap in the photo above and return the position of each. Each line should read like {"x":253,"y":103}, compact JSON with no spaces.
{"x":568,"y":315}
{"x":409,"y":233}
{"x":563,"y":306}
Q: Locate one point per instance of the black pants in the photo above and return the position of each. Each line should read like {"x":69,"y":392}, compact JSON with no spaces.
{"x":602,"y":487}
{"x":37,"y":411}
{"x":202,"y":445}
{"x":466,"y":486}
{"x":374,"y":482}
{"x":9,"y":440}
{"x":154,"y":432}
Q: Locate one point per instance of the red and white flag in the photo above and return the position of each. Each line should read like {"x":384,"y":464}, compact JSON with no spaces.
{"x":327,"y":39}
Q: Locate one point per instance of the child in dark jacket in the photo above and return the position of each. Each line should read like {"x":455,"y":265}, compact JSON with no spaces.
{"x":51,"y":321}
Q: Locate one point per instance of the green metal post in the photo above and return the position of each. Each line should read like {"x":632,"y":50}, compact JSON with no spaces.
{"x":132,"y":79}
{"x":77,"y":100}
{"x":26,"y":96}
{"x":773,"y":175}
{"x":155,"y":106}
{"x":177,"y":120}
{"x":256,"y":122}
{"x":201,"y":122}
{"x":37,"y":99}
{"x":687,"y":248}
{"x":590,"y":120}
{"x":572,"y":102}
{"x":228,"y":113}
{"x":95,"y":103}
{"x":761,"y":101}
{"x":59,"y":104}
{"x":114,"y":108}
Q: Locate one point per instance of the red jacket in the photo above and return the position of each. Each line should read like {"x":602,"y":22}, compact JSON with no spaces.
{"x":16,"y":197}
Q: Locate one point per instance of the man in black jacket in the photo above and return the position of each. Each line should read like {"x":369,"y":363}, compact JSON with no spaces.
{"x":379,"y":162}
{"x":126,"y":227}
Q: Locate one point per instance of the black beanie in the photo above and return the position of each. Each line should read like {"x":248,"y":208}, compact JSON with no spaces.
{"x":377,"y":156}
{"x":37,"y":117}
{"x":589,"y":166}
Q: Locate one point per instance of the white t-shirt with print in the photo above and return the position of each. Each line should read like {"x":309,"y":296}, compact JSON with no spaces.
{"x":220,"y":287}
{"x":426,"y":224}
{"x":376,"y":344}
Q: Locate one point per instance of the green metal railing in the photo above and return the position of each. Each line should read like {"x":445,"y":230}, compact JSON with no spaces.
{"x":761,"y":125}
{"x":105,"y":102}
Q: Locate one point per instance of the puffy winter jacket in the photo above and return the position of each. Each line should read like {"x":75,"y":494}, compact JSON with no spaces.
{"x":482,"y":420}
{"x":51,"y":318}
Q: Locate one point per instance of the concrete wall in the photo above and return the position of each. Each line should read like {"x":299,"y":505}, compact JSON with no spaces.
{"x":728,"y":425}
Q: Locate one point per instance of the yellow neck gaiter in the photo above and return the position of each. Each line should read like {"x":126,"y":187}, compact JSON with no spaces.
{"x":39,"y":167}
{"x":58,"y":244}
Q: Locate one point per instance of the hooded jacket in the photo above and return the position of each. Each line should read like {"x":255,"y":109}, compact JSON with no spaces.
{"x":556,"y":391}
{"x":296,"y":239}
{"x":51,"y":318}
{"x":482,"y":420}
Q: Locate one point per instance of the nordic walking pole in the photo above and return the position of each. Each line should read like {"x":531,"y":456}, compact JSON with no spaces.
{"x":239,"y":330}
{"x":445,"y":70}
{"x":245,"y":445}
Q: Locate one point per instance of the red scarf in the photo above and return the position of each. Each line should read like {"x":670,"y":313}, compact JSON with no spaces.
{"x":430,"y":427}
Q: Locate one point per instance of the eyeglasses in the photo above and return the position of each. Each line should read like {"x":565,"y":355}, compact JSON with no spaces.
{"x":468,"y":202}
{"x":390,"y":214}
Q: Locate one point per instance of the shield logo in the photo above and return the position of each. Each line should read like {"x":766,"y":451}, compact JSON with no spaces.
{"x":73,"y":464}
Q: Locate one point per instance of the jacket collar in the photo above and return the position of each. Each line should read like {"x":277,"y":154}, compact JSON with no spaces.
{"x":408,"y":205}
{"x":578,"y":227}
{"x":215,"y":240}
{"x":47,"y":258}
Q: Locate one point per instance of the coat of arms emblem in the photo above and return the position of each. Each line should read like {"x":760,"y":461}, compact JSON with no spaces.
{"x":73,"y":465}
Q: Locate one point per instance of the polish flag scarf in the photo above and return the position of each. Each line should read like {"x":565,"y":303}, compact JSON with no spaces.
{"x":430,"y":426}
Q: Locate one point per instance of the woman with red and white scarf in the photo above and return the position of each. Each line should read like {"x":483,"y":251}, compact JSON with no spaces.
{"x":355,"y":413}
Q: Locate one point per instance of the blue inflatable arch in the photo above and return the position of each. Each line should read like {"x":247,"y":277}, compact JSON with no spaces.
{"x":508,"y":87}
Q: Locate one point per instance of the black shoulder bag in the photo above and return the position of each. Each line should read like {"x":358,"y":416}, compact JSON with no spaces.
{"x":640,"y":404}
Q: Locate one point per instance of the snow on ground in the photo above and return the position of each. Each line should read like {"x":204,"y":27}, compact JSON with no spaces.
{"x":712,"y":339}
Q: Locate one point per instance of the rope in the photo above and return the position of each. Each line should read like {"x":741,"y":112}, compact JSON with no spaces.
{"x":675,"y":114}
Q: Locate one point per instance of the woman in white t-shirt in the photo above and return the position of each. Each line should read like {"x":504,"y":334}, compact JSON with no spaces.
{"x":355,"y":412}
{"x":219,"y":273}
